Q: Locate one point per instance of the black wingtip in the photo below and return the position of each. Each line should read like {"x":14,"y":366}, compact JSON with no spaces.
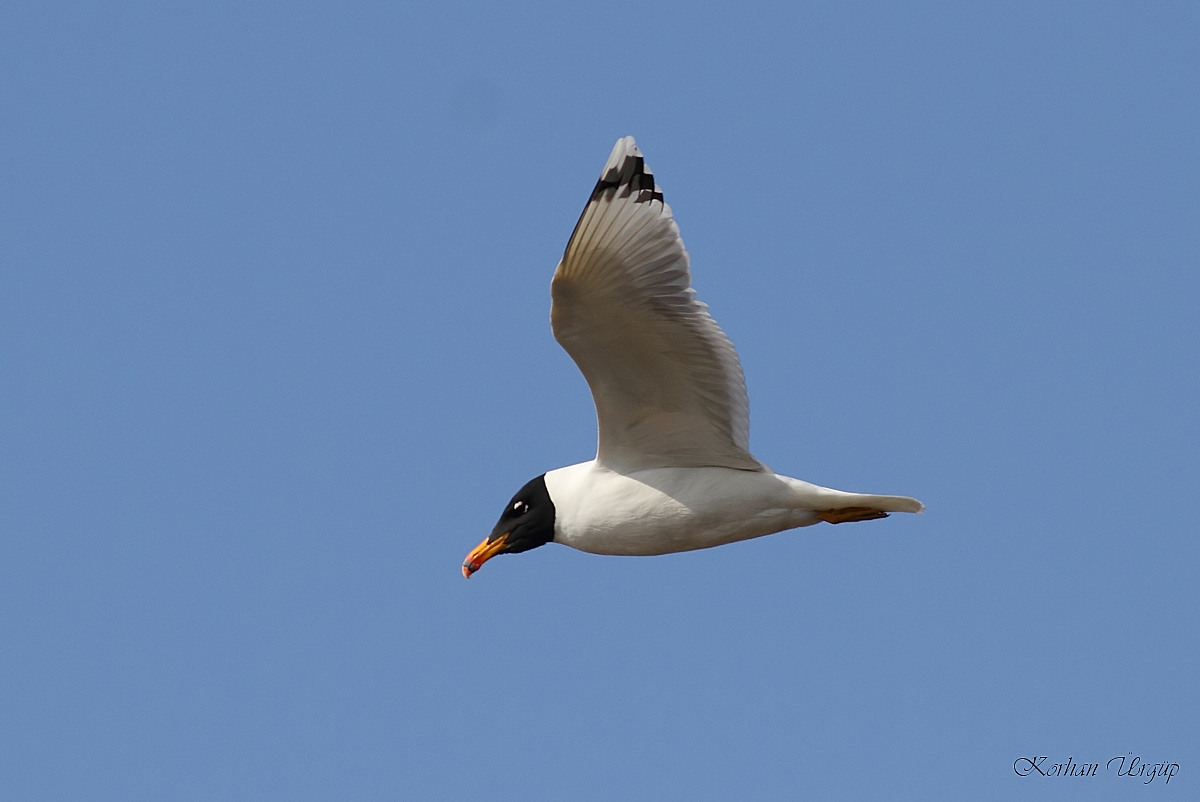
{"x":627,"y":168}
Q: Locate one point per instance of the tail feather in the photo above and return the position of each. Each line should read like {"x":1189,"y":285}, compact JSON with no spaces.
{"x":884,"y":503}
{"x":854,"y":507}
{"x":815,"y":497}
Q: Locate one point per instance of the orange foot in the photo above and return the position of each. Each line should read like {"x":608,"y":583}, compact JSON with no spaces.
{"x":851,"y":514}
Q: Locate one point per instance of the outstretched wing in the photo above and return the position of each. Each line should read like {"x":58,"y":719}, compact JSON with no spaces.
{"x":667,"y":384}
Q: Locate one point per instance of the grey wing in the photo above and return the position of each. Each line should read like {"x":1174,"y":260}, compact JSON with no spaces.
{"x":666,"y":381}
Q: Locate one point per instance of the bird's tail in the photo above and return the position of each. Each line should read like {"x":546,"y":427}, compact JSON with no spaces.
{"x":886,"y":503}
{"x":839,"y":506}
{"x":865,"y":507}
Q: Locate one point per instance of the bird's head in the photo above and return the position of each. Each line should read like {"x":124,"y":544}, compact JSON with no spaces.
{"x":526,"y":523}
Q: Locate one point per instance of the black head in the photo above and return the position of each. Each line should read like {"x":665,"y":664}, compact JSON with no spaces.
{"x":526,"y":523}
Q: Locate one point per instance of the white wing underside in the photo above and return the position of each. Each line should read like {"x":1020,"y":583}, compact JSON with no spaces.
{"x":667,"y":384}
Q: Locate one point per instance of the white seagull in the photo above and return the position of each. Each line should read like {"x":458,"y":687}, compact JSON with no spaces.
{"x":673,"y":469}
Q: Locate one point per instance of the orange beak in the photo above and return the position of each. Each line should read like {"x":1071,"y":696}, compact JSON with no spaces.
{"x":482,"y":553}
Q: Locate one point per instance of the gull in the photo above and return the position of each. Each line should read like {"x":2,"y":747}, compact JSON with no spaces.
{"x":673,"y":470}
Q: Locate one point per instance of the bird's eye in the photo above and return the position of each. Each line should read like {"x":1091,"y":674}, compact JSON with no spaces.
{"x":520,"y":507}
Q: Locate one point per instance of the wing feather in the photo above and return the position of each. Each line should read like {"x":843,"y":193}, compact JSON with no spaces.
{"x":667,"y":383}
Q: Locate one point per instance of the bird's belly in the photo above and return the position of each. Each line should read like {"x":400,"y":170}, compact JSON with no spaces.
{"x":671,"y":510}
{"x":685,"y":533}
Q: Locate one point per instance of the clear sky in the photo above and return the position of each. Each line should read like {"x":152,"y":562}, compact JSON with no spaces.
{"x":275,"y":351}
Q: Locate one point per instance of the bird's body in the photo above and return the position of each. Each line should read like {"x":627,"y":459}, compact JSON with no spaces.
{"x":604,"y":511}
{"x":673,"y":469}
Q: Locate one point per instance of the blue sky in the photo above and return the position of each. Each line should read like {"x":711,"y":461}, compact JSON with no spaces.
{"x":275,"y":350}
